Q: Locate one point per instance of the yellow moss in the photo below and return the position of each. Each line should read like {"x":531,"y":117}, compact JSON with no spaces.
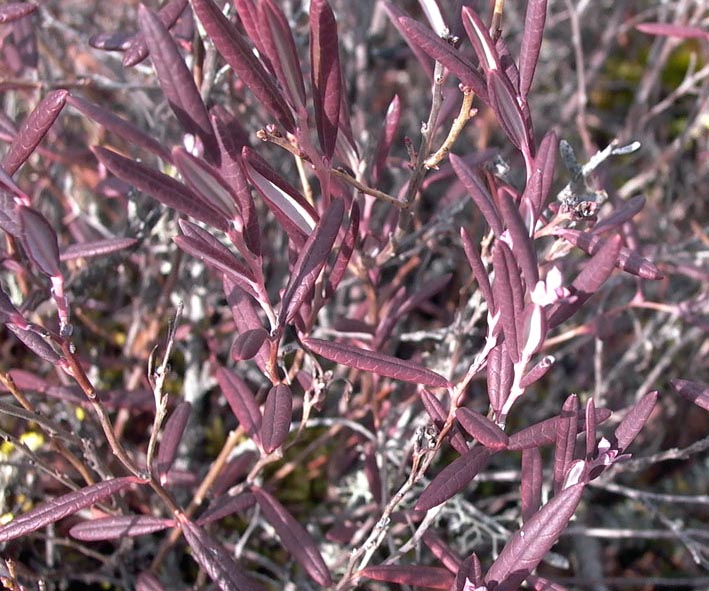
{"x":32,"y":440}
{"x":6,"y":448}
{"x":80,"y":413}
{"x":6,"y":518}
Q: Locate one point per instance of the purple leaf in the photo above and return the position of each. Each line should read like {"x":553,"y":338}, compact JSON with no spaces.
{"x":470,"y":571}
{"x":439,"y":413}
{"x":247,"y":11}
{"x":161,"y":187}
{"x":545,"y":161}
{"x":293,"y":212}
{"x":503,"y":292}
{"x":478,"y":193}
{"x":122,"y":128}
{"x":276,"y":417}
{"x":175,"y":79}
{"x":97,"y":248}
{"x":239,"y":56}
{"x":531,"y":43}
{"x":116,"y":41}
{"x":537,"y":372}
{"x":112,"y":528}
{"x":58,"y":508}
{"x":527,"y":548}
{"x":622,"y":214}
{"x":541,"y":584}
{"x":33,"y":129}
{"x":634,"y":421}
{"x":386,"y":138}
{"x":453,"y":478}
{"x":628,"y":260}
{"x":225,"y":506}
{"x":544,"y":432}
{"x":509,"y":114}
{"x":430,"y":577}
{"x":693,"y":391}
{"x":232,"y":473}
{"x":15,"y":10}
{"x":246,"y":318}
{"x":375,"y":362}
{"x":241,"y":400}
{"x":248,"y":344}
{"x":590,"y":428}
{"x":395,"y":15}
{"x":294,"y":537}
{"x":325,"y":73}
{"x":500,"y":375}
{"x":215,"y":560}
{"x":35,"y":343}
{"x":148,"y":582}
{"x":672,"y":30}
{"x":481,"y":40}
{"x":532,"y":481}
{"x":40,"y":241}
{"x":422,"y":37}
{"x":521,"y":244}
{"x":478,"y":267}
{"x":171,"y":437}
{"x":440,"y":549}
{"x":567,"y":429}
{"x":137,"y":49}
{"x":344,"y":254}
{"x":482,"y":429}
{"x":8,"y":312}
{"x":277,"y":39}
{"x":311,"y":260}
{"x":509,"y":67}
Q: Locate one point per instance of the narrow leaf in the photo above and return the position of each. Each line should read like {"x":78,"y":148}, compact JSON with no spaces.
{"x":430,"y":577}
{"x":478,"y":193}
{"x":453,"y":478}
{"x":311,"y":260}
{"x":176,"y":81}
{"x":172,"y":436}
{"x":137,"y":49}
{"x":439,"y":413}
{"x":532,"y":480}
{"x":537,"y":372}
{"x":277,"y":414}
{"x":33,"y":129}
{"x":375,"y":362}
{"x":693,"y":391}
{"x":480,"y":38}
{"x":225,"y":506}
{"x":40,"y":241}
{"x":544,"y":432}
{"x":509,"y":114}
{"x":478,"y":268}
{"x":522,"y":246}
{"x":528,"y":546}
{"x":344,"y":254}
{"x":113,"y":528}
{"x":124,"y":129}
{"x":15,"y":10}
{"x":241,"y":400}
{"x":590,"y":428}
{"x":634,"y":420}
{"x":294,"y":537}
{"x":248,"y":344}
{"x":245,"y":317}
{"x":482,"y":429}
{"x":567,"y":429}
{"x":531,"y":44}
{"x":545,"y":161}
{"x":161,"y":187}
{"x":386,"y":139}
{"x":96,"y":248}
{"x":627,"y":211}
{"x":234,"y":49}
{"x":325,"y":73}
{"x":395,"y":14}
{"x":504,"y":297}
{"x":215,"y":560}
{"x":672,"y":30}
{"x":61,"y":507}
{"x":116,"y":41}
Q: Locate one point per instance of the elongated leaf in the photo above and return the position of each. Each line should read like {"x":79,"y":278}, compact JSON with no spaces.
{"x":541,"y":584}
{"x":395,"y":14}
{"x":439,"y":413}
{"x":509,"y":114}
{"x":537,"y":372}
{"x":247,"y":10}
{"x":33,"y":129}
{"x":590,"y":428}
{"x":239,"y":56}
{"x":325,"y":73}
{"x":480,"y":38}
{"x":440,"y":549}
{"x":215,"y":560}
{"x":500,"y":375}
{"x":443,"y":52}
{"x":277,"y":40}
{"x":532,"y":481}
{"x":482,"y":428}
{"x":624,"y":213}
{"x":137,"y":49}
{"x":116,"y":41}
{"x":311,"y":260}
{"x":430,"y":577}
{"x":15,"y":10}
{"x":175,"y":79}
{"x":294,"y":537}
{"x":377,"y":363}
{"x":454,"y":478}
{"x":693,"y":391}
{"x":567,"y":429}
{"x":544,"y":432}
{"x":277,"y":414}
{"x":527,"y":548}
{"x":344,"y":254}
{"x":386,"y":138}
{"x":35,"y":343}
{"x":40,"y":241}
{"x":248,"y":344}
{"x":672,"y":30}
{"x":628,"y":260}
{"x":63,"y":506}
{"x":634,"y":420}
{"x":161,"y":187}
{"x":122,"y":128}
{"x":172,"y":435}
{"x":225,"y":506}
{"x":478,"y":267}
{"x":504,"y":297}
{"x":112,"y":528}
{"x":545,"y":161}
{"x":148,"y":582}
{"x":246,"y":318}
{"x":241,"y":400}
{"x":522,"y":245}
{"x":235,"y":469}
{"x":470,"y":571}
{"x":478,"y":193}
{"x":508,"y":65}
{"x":97,"y":248}
{"x":531,"y":44}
